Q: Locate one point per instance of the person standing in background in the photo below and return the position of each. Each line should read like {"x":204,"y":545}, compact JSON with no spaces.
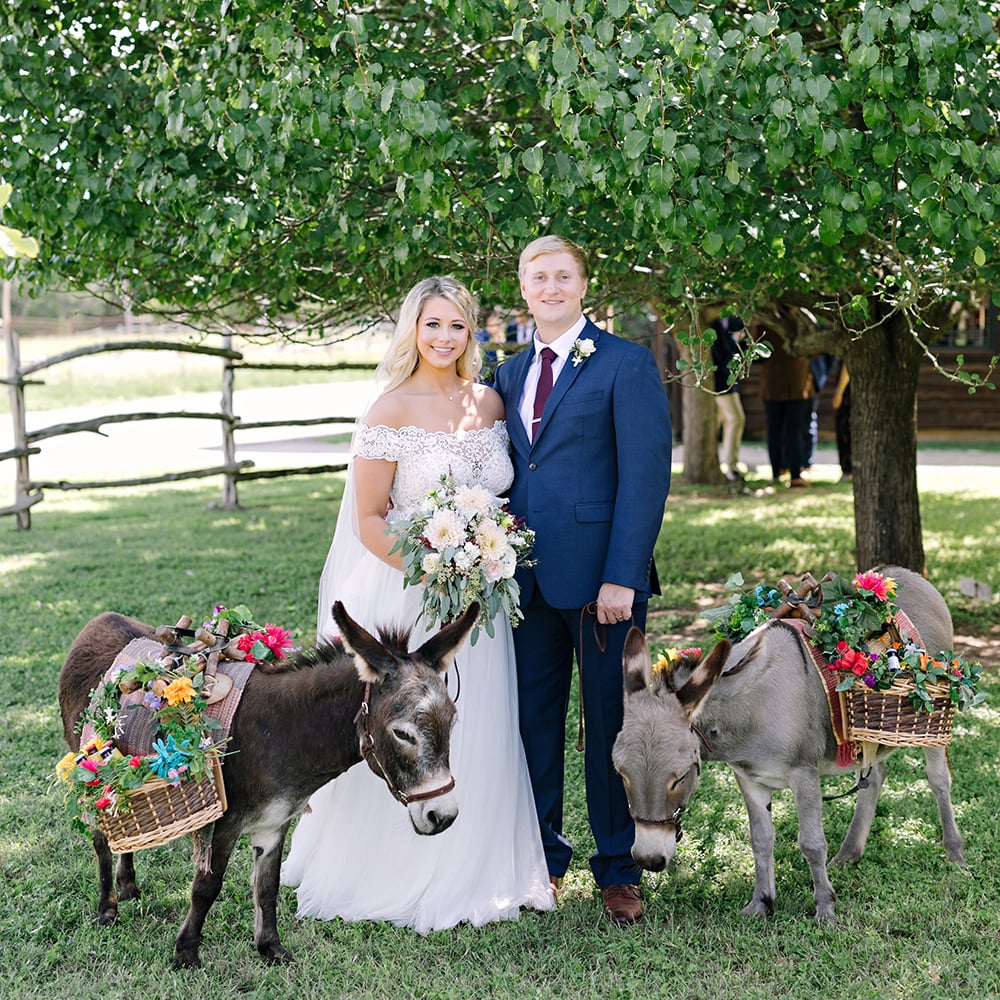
{"x":729,"y":330}
{"x":787,"y":390}
{"x":842,"y":421}
{"x":819,"y":368}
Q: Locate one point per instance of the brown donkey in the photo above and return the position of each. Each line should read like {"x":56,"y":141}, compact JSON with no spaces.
{"x":760,"y":707}
{"x":298,"y":726}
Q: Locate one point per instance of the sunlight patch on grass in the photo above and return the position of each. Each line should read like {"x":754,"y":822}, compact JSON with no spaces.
{"x":23,"y":562}
{"x":912,"y":834}
{"x":975,"y":480}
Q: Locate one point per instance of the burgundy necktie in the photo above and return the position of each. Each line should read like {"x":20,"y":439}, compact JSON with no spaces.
{"x":543,"y":389}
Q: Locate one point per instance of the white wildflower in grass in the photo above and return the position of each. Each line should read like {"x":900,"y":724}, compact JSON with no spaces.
{"x":464,"y":547}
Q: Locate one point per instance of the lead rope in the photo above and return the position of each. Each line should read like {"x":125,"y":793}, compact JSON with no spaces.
{"x":601,"y":641}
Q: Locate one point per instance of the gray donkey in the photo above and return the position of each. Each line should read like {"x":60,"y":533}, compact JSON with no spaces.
{"x":761,"y":707}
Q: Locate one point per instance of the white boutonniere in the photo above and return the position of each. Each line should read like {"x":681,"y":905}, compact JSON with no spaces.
{"x":582,"y":349}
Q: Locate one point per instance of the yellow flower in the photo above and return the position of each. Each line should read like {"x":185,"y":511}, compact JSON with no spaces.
{"x":65,"y":767}
{"x":178,"y":691}
{"x":665,"y":662}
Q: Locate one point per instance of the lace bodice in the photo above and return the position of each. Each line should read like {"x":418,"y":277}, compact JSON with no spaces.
{"x":477,"y":457}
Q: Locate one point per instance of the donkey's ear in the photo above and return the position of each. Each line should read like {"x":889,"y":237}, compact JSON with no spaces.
{"x":703,"y":677}
{"x":636,"y":667}
{"x":373,"y":662}
{"x":439,"y":651}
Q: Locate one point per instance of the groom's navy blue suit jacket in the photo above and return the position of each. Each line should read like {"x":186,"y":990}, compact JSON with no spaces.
{"x":594,"y":481}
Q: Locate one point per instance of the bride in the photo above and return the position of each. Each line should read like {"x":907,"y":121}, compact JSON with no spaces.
{"x":431,"y":418}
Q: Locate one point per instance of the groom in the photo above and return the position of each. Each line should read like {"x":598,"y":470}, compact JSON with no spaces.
{"x":590,"y":433}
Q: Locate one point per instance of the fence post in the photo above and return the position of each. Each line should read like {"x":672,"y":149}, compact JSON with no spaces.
{"x":230,"y":500}
{"x":17,"y":411}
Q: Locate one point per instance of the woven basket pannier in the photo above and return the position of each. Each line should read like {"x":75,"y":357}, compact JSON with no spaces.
{"x":160,"y":812}
{"x":890,"y":718}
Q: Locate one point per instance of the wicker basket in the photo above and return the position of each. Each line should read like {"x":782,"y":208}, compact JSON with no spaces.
{"x":160,"y":812}
{"x":888,"y":717}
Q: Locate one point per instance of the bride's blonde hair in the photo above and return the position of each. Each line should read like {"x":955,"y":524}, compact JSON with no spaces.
{"x":402,"y":357}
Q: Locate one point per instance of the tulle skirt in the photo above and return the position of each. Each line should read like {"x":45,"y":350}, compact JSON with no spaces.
{"x":355,"y":855}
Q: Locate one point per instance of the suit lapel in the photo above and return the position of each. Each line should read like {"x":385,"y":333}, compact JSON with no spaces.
{"x":567,"y":377}
{"x":515,"y":426}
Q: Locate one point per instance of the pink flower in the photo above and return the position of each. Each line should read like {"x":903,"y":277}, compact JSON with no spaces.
{"x":277,"y":639}
{"x":91,"y":765}
{"x":879,"y":586}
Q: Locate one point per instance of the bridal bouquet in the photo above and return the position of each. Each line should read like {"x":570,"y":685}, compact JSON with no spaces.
{"x":462,"y":546}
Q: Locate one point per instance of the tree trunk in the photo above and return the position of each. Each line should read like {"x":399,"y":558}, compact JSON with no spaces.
{"x":883,"y":365}
{"x":701,"y":422}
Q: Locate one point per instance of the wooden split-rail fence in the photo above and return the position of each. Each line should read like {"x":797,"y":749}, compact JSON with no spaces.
{"x":26,"y":443}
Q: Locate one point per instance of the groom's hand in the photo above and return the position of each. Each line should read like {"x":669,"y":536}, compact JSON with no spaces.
{"x":614,"y":603}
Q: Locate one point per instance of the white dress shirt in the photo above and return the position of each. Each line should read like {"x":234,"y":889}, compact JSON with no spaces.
{"x":562,"y":345}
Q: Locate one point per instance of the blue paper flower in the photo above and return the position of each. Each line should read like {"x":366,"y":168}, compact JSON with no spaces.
{"x":168,"y":756}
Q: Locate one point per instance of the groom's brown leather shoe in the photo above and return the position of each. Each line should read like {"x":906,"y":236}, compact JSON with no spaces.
{"x":623,"y":903}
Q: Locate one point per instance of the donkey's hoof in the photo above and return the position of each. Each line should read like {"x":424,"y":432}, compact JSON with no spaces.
{"x":108,"y":915}
{"x":187,"y":959}
{"x":842,"y":858}
{"x":758,"y":908}
{"x":275,"y":954}
{"x":956,"y":856}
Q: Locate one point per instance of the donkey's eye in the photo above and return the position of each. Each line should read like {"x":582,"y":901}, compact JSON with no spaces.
{"x":404,"y":736}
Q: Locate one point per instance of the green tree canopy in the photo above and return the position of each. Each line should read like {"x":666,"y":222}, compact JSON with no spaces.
{"x":831,"y":169}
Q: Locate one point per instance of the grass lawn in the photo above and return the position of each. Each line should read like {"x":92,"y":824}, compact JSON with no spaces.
{"x":910,"y":924}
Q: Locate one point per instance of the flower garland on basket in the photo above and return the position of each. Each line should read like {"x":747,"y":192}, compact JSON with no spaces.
{"x":855,"y":629}
{"x":98,"y":779}
{"x":463,"y":545}
{"x":858,"y":635}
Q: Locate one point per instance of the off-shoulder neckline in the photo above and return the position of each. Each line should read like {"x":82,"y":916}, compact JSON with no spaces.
{"x":459,"y":433}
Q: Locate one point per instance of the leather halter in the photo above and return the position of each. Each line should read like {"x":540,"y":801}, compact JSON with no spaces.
{"x":368,"y":753}
{"x":674,"y":819}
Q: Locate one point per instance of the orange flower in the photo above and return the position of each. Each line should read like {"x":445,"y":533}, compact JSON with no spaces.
{"x":179,"y":691}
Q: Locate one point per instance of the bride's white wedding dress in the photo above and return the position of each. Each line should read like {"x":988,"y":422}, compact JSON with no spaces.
{"x":356,"y":855}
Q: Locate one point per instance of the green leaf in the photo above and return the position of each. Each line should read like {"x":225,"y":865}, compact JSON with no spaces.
{"x":565,"y":60}
{"x":712,"y":244}
{"x":635,"y":144}
{"x":533,"y":159}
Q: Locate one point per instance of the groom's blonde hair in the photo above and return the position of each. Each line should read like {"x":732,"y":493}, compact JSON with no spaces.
{"x":402,"y":357}
{"x":552,"y":244}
